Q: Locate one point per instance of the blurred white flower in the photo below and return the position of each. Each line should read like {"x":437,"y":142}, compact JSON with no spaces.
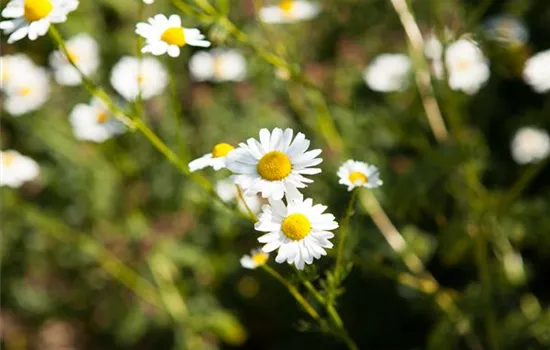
{"x":32,"y":18}
{"x":255,"y":259}
{"x":359,"y":174}
{"x":131,"y":77}
{"x":94,"y":122}
{"x":433,"y":49}
{"x":11,"y":65}
{"x":537,"y":71}
{"x":467,"y":67}
{"x":215,"y":159}
{"x":388,"y":72}
{"x":28,"y":92}
{"x":148,"y":1}
{"x":506,"y":29}
{"x":275,"y":165}
{"x":84,"y":52}
{"x":16,"y":169}
{"x":288,"y":11}
{"x":530,"y":145}
{"x":166,"y":35}
{"x":228,"y":192}
{"x":300,"y":230}
{"x":514,"y":267}
{"x":218,"y":65}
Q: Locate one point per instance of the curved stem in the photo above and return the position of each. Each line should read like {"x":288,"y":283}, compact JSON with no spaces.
{"x":253,"y":216}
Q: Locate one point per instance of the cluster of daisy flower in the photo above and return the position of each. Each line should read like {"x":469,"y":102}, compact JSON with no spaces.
{"x":276,"y":167}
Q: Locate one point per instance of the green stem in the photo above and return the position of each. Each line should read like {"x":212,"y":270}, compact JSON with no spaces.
{"x":253,"y":216}
{"x":525,"y":179}
{"x":344,"y":229}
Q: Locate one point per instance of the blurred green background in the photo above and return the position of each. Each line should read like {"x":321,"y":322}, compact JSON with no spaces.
{"x":123,"y":196}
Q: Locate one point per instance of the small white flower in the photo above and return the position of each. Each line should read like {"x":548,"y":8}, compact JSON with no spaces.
{"x":467,"y":66}
{"x":32,"y":18}
{"x":537,"y":71}
{"x":288,"y":11}
{"x":130,"y":77}
{"x":215,"y":159}
{"x":433,"y":49}
{"x":16,"y":169}
{"x":255,"y":259}
{"x":84,"y":52}
{"x":28,"y":92}
{"x":359,"y":174}
{"x":94,"y":122}
{"x":11,"y":65}
{"x":166,"y":35}
{"x":388,"y":72}
{"x":218,"y":65}
{"x":300,"y":230}
{"x":148,"y":2}
{"x":228,"y":192}
{"x":275,"y":165}
{"x":530,"y":145}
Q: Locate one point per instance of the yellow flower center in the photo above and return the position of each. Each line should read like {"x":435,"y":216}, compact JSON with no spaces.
{"x":37,"y":9}
{"x":260,"y":258}
{"x":73,"y":57}
{"x":221,"y":150}
{"x":357,"y":177}
{"x":7,"y":159}
{"x":102,"y":117}
{"x":463,"y":64}
{"x":286,"y":5}
{"x":296,"y":226}
{"x":24,"y":91}
{"x":174,"y":36}
{"x":218,"y":66}
{"x":274,"y":166}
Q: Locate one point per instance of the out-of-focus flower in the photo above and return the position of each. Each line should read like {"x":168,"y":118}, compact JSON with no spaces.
{"x":148,"y":2}
{"x":32,"y":18}
{"x":537,"y":71}
{"x":388,"y":72}
{"x":84,"y":52}
{"x":255,"y":259}
{"x":275,"y":165}
{"x":215,"y":159}
{"x":288,"y":11}
{"x":131,"y":77}
{"x":506,"y":29}
{"x":530,"y":145}
{"x":228,"y":192}
{"x":28,"y":91}
{"x":166,"y":35}
{"x":467,"y":67}
{"x":218,"y":65}
{"x":434,"y":52}
{"x":359,"y":174}
{"x":94,"y":122}
{"x":16,"y":169}
{"x":300,"y":230}
{"x":11,"y":65}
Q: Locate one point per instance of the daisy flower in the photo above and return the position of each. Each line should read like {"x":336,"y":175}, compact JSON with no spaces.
{"x":28,"y":92}
{"x":11,"y":65}
{"x":215,"y":159}
{"x":218,"y":65}
{"x":288,"y":11}
{"x":467,"y":66}
{"x":530,"y":145}
{"x":388,"y":72}
{"x":94,"y":122}
{"x":537,"y":71}
{"x":299,"y":230}
{"x":32,"y":18}
{"x":275,"y":165}
{"x":228,"y":192}
{"x":166,"y":35}
{"x":130,"y":77}
{"x":255,"y":259}
{"x":15,"y":169}
{"x":84,"y":52}
{"x":359,"y":174}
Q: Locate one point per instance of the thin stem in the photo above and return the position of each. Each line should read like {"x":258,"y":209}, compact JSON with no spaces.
{"x":253,"y":216}
{"x":344,"y":229}
{"x":524,"y":180}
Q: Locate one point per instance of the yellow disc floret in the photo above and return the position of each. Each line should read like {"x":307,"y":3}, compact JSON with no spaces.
{"x":286,"y":5}
{"x":274,"y":166}
{"x":221,"y":150}
{"x":357,"y":177}
{"x":174,"y":36}
{"x":102,"y":117}
{"x":8,"y":158}
{"x":260,"y":258}
{"x":24,"y":91}
{"x":37,"y":9}
{"x":296,"y":226}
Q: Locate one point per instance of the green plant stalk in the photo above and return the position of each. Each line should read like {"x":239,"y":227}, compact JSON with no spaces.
{"x":253,"y":216}
{"x":344,"y":229}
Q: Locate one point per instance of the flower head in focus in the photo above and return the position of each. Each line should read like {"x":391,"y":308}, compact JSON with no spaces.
{"x":288,"y":11}
{"x":228,"y":192}
{"x":132,"y":77}
{"x":16,"y":169}
{"x":530,"y":145}
{"x":215,"y":159}
{"x":359,"y":174}
{"x":537,"y":71}
{"x":84,"y":52}
{"x":166,"y":35}
{"x":255,"y":259}
{"x":32,"y":18}
{"x":388,"y":72}
{"x":28,"y":92}
{"x":218,"y":65}
{"x":467,"y":67}
{"x":94,"y":122}
{"x":275,"y":165}
{"x":299,"y":230}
